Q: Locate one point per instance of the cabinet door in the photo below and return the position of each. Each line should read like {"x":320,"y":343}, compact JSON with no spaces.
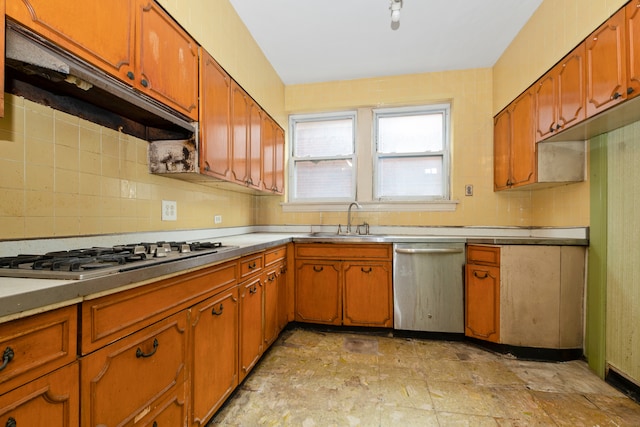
{"x":546,"y":98}
{"x":633,"y":40}
{"x":282,"y":298}
{"x":254,"y":147}
{"x":250,"y":324}
{"x":571,"y":93}
{"x":318,"y":296}
{"x":214,"y":344}
{"x":239,"y":134}
{"x":268,"y":153}
{"x":522,"y":144}
{"x":482,"y":302}
{"x":81,"y":29}
{"x":167,"y":60}
{"x":52,"y":400}
{"x":368,"y":294}
{"x":501,"y":150}
{"x":271,"y":305}
{"x":132,"y":377}
{"x":606,"y":65}
{"x":279,"y":160}
{"x":215,"y":118}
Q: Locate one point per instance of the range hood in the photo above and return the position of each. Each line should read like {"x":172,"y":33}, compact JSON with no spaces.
{"x":42,"y":72}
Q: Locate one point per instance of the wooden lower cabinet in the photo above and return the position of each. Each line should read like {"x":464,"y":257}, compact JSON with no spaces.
{"x":346,"y":284}
{"x":127,"y":382}
{"x":271,"y":284}
{"x":367,"y":294}
{"x":318,"y":292}
{"x":51,"y":400}
{"x":214,"y":346}
{"x":482,"y":308}
{"x":251,"y":345}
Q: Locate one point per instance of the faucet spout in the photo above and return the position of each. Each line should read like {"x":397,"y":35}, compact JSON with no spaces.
{"x":357,"y":205}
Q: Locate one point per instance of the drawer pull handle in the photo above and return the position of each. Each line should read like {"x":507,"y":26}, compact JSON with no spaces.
{"x":155,"y":424}
{"x":11,"y":422}
{"x":486,"y":274}
{"x":219,"y":312}
{"x":140,"y":353}
{"x":252,"y":265}
{"x":369,"y":270}
{"x":317,"y":269}
{"x":253,"y":290}
{"x":7,"y":357}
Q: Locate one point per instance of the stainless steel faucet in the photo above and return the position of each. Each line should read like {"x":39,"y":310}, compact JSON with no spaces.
{"x":357,"y":205}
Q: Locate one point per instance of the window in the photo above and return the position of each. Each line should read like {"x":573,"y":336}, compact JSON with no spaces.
{"x":323,"y":157}
{"x":398,"y":158}
{"x":411,"y":153}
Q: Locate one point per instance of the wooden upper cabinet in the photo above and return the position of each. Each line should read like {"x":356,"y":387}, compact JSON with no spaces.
{"x":523,"y":158}
{"x":606,"y":75}
{"x":514,"y":144}
{"x":133,"y":40}
{"x":633,"y":40}
{"x":168,"y":60}
{"x":81,"y":30}
{"x":560,"y":95}
{"x":268,"y":153}
{"x":254,"y":148}
{"x":240,"y":134}
{"x":279,"y":160}
{"x":215,"y":120}
{"x":501,"y":150}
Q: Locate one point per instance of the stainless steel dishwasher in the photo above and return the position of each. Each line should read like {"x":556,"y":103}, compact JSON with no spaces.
{"x":428,"y":287}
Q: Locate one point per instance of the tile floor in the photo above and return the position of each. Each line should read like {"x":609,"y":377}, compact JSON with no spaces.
{"x":314,"y":378}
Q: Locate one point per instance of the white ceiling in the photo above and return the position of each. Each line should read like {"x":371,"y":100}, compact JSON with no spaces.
{"x":324,"y":40}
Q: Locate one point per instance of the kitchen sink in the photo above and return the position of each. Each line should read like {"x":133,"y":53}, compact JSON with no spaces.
{"x":333,"y":236}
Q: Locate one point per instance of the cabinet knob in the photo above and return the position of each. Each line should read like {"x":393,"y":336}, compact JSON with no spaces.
{"x":144,"y":83}
{"x":616,"y":95}
{"x":551,"y":128}
{"x":7,"y":356}
{"x":11,"y":422}
{"x":206,"y":166}
{"x":140,"y":353}
{"x":130,"y":75}
{"x":629,"y":90}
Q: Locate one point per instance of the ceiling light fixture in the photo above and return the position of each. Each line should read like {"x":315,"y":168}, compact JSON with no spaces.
{"x":395,"y":7}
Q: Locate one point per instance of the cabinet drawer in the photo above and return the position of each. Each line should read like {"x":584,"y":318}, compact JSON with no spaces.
{"x":121,"y":382}
{"x":250,"y":264}
{"x":36,"y":345}
{"x":343,"y":251}
{"x":486,"y":255}
{"x":275,"y":255}
{"x":51,"y":400}
{"x":109,"y":318}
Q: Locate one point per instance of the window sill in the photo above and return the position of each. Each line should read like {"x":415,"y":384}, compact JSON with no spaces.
{"x":431,"y":206}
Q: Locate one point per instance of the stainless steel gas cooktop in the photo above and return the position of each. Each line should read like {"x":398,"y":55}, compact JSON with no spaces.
{"x":94,"y":262}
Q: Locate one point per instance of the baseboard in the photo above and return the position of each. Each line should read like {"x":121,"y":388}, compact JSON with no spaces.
{"x":623,"y":384}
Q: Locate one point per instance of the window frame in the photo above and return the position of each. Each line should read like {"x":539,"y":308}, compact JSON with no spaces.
{"x":445,"y":153}
{"x":317,"y":117}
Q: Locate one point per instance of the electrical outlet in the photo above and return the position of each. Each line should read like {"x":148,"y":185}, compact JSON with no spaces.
{"x":217,"y":219}
{"x":169,"y":210}
{"x":468,"y":190}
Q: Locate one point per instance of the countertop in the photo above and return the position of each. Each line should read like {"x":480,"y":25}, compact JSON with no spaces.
{"x":22,"y":297}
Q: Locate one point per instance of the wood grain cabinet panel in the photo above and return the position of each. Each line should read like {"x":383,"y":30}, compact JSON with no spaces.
{"x":214,"y":345}
{"x":368,"y":294}
{"x":36,"y":345}
{"x":251,"y":326}
{"x":606,"y":64}
{"x":482,"y":302}
{"x":560,"y":95}
{"x":123,"y":382}
{"x":514,"y":144}
{"x":52,"y":400}
{"x":215,"y":118}
{"x":632,"y":13}
{"x":82,"y":30}
{"x":318,"y":293}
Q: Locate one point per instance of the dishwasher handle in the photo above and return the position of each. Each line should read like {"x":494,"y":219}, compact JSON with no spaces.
{"x":418,"y":251}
